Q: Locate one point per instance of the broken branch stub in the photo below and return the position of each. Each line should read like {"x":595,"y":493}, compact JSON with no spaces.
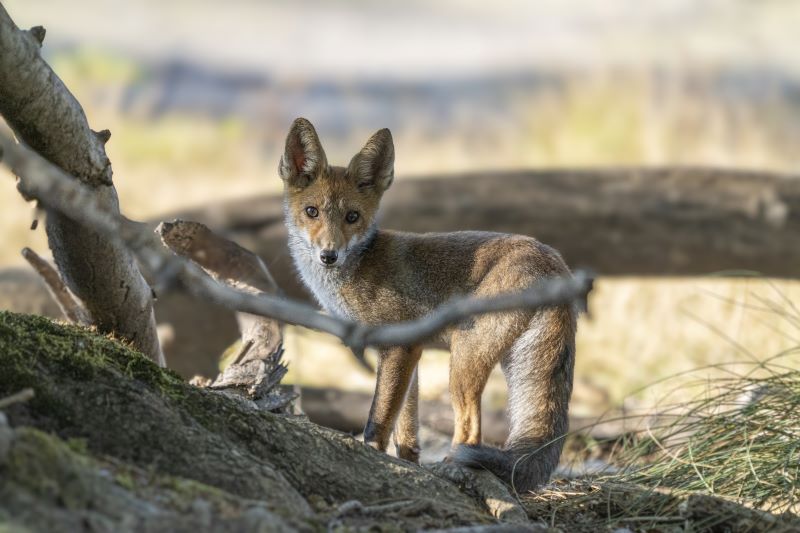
{"x":257,"y":368}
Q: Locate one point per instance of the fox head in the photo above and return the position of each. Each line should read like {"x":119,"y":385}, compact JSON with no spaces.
{"x":330,"y":211}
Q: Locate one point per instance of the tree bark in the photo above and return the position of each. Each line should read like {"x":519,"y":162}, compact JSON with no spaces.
{"x":46,"y":117}
{"x":257,"y":368}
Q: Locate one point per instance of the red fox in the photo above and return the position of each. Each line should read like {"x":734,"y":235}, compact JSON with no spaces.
{"x":375,"y":276}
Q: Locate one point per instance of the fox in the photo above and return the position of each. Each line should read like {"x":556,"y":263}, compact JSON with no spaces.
{"x":359,"y":272}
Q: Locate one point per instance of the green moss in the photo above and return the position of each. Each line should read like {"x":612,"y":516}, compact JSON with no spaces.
{"x":42,"y":354}
{"x":8,"y":526}
{"x":48,"y":485}
{"x":79,"y":353}
{"x":78,"y":445}
{"x":47,"y":468}
{"x":125,"y":479}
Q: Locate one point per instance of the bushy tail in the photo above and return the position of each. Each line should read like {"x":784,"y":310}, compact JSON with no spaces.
{"x":538,"y":369}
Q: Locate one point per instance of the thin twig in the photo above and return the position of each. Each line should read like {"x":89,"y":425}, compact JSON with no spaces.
{"x":69,"y":305}
{"x":18,"y":397}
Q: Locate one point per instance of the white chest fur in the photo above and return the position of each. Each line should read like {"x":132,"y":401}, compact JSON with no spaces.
{"x":324,"y":283}
{"x":326,"y":286}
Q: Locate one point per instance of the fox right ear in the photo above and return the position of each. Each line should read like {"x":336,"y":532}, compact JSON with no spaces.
{"x":303,"y":156}
{"x":373,"y":166}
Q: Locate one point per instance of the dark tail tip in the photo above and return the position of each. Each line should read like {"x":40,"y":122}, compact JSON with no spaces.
{"x":522,"y":469}
{"x":496,"y":461}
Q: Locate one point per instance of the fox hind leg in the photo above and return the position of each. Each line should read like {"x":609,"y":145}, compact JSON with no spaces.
{"x":474,"y":352}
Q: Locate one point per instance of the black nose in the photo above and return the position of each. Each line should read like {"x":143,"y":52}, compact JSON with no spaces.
{"x":328,"y":256}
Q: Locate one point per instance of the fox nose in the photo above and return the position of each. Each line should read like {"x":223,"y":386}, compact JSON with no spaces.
{"x":328,"y":256}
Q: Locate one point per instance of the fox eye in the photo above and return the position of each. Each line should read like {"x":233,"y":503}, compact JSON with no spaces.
{"x":351,"y":217}
{"x":312,"y":211}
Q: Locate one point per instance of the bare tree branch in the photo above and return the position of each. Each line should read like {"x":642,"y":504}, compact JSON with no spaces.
{"x":46,"y":116}
{"x":72,"y":309}
{"x":547,"y":293}
{"x":50,"y":184}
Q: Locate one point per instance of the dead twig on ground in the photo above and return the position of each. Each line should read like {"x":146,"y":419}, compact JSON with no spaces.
{"x":18,"y":397}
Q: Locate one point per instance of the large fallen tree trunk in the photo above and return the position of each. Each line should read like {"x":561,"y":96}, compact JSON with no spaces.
{"x":46,"y":117}
{"x":627,"y":221}
{"x":671,"y":221}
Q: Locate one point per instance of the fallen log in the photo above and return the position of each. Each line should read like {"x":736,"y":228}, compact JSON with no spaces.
{"x":668,"y":221}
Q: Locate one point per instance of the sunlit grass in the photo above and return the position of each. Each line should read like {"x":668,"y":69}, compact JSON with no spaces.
{"x":738,"y":439}
{"x":734,"y":437}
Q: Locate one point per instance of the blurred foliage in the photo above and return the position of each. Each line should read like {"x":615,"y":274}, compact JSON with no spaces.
{"x":86,"y":66}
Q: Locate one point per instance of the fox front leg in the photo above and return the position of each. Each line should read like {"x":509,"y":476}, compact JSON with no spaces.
{"x":406,"y":429}
{"x":395,"y":370}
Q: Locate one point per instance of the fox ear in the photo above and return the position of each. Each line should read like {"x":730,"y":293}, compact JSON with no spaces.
{"x":373,"y":166}
{"x":303,"y":156}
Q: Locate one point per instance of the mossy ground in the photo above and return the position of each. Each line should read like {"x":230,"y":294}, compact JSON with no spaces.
{"x":118,"y":425}
{"x":27,"y":340}
{"x":49,"y":486}
{"x":56,"y":484}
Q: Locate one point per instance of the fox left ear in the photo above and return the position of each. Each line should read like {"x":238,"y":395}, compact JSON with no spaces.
{"x":373,"y":166}
{"x":303,"y":157}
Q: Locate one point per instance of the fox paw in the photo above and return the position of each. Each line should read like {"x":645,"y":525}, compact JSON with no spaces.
{"x":409,"y":453}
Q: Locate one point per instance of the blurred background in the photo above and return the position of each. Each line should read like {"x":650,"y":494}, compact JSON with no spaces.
{"x":199,"y":97}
